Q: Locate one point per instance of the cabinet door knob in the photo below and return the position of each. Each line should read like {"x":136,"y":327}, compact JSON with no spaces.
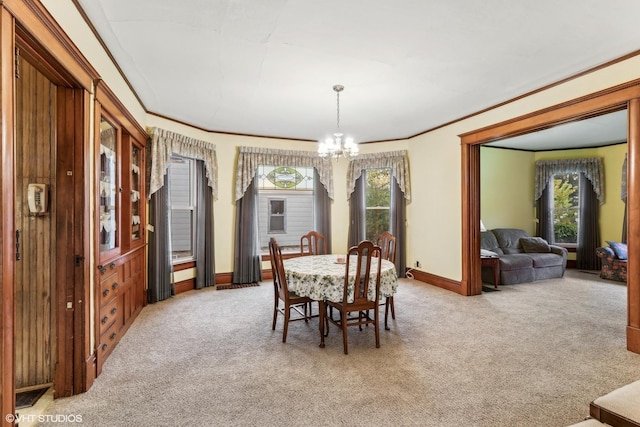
{"x":104,"y":320}
{"x":105,"y":292}
{"x":112,"y":336}
{"x":114,"y":285}
{"x":103,"y":347}
{"x":113,"y":310}
{"x":112,"y":265}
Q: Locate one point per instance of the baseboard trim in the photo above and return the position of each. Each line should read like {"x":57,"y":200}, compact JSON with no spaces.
{"x":633,"y":339}
{"x":184,"y":285}
{"x":91,"y":369}
{"x":224,"y":278}
{"x":438,"y":281}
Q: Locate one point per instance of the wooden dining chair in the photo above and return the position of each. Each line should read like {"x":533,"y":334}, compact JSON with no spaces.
{"x":313,"y":243}
{"x":301,"y":305}
{"x":387,"y":243}
{"x":362,"y":255}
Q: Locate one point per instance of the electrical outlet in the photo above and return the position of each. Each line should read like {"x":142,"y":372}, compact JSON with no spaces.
{"x":417,"y":264}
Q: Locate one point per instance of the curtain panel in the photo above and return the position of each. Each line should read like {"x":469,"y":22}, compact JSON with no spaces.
{"x":398,"y":161}
{"x":589,"y":227}
{"x":623,"y":189}
{"x":159,"y":268}
{"x":623,"y":196}
{"x":249,"y":158}
{"x":357,"y":218}
{"x":165,"y":143}
{"x":322,"y":204}
{"x":591,"y":167}
{"x":205,"y":252}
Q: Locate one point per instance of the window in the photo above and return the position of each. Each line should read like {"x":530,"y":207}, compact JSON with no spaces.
{"x":277,"y":216}
{"x":566,"y":207}
{"x":182,"y":200}
{"x":285,"y":199}
{"x":378,"y":202}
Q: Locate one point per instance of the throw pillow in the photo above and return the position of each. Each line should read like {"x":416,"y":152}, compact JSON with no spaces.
{"x":488,"y":254}
{"x":534,"y":245}
{"x":620,"y":249}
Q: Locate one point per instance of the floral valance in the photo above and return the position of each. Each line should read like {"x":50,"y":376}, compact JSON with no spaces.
{"x":623,"y":190}
{"x":249,"y":158}
{"x":164,"y":144}
{"x":398,"y":161}
{"x":591,"y":167}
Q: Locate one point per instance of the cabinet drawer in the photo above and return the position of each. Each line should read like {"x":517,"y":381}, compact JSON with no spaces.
{"x":111,"y":314}
{"x":108,"y":341}
{"x":110,"y":285}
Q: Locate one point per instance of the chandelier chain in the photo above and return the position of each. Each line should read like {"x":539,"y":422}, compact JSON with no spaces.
{"x":338,"y":110}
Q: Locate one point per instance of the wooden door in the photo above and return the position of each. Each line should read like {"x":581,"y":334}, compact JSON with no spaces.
{"x":35,"y":229}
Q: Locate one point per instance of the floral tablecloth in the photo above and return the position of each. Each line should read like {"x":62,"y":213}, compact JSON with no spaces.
{"x":321,"y":277}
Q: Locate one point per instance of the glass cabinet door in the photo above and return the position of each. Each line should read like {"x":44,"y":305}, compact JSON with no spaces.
{"x":135,"y":193}
{"x":108,"y":206}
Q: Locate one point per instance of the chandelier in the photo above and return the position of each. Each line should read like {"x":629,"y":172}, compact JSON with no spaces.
{"x":334,"y":147}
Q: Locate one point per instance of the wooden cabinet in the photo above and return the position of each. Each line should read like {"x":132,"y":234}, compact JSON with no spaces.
{"x":120,"y":291}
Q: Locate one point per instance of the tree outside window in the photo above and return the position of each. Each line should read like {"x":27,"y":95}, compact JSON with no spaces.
{"x":378,"y":202}
{"x":566,"y":207}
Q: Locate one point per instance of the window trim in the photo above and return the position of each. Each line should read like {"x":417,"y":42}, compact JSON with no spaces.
{"x":576,"y":209}
{"x":271,"y":215}
{"x":193,"y":208}
{"x":376,"y":208}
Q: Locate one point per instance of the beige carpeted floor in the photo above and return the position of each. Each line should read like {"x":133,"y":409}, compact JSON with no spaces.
{"x":529,"y":355}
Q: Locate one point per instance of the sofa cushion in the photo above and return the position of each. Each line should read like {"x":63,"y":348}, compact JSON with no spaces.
{"x":624,"y":402}
{"x":515,"y":262}
{"x":509,"y":239}
{"x":541,"y":260}
{"x":620,"y":249}
{"x":488,"y":242}
{"x":534,"y":245}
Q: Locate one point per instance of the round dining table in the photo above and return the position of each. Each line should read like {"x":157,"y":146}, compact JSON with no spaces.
{"x":321,"y":277}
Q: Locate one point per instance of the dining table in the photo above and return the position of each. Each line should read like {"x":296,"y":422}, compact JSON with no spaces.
{"x":322,"y":278}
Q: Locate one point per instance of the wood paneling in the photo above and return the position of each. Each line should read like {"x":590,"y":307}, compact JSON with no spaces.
{"x":7,"y":226}
{"x":35,"y":270}
{"x":633,"y":227}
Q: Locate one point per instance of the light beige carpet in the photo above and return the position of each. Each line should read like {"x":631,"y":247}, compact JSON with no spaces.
{"x":529,"y":355}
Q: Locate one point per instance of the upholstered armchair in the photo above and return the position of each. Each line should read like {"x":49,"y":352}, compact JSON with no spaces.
{"x":613,"y":267}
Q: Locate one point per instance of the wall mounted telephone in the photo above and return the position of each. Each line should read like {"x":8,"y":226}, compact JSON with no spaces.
{"x":38,"y":198}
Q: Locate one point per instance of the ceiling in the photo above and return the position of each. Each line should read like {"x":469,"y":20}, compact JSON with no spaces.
{"x":597,"y":131}
{"x":267,"y":67}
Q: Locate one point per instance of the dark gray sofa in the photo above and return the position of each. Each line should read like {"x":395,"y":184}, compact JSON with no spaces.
{"x":522,"y":258}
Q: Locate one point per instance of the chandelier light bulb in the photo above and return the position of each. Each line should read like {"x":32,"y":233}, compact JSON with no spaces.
{"x":333,"y":146}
